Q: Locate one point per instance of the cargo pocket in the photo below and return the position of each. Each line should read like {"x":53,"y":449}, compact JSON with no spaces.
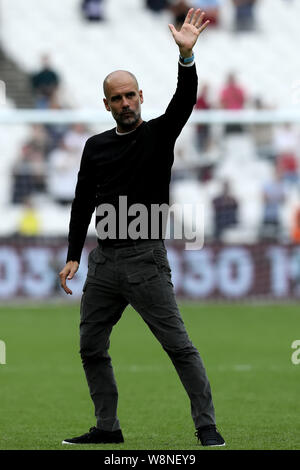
{"x":161,"y":260}
{"x":146,"y":286}
{"x":95,"y":259}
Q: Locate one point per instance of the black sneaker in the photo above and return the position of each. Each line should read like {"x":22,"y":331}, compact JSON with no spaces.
{"x":97,"y":436}
{"x":209,"y":436}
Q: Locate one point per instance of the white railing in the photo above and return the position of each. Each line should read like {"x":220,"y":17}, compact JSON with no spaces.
{"x":249,"y":116}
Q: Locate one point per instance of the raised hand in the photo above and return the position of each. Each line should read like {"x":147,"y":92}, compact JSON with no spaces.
{"x":187,"y":37}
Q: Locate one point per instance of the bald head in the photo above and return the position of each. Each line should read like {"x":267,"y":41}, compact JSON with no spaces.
{"x":123,"y":99}
{"x":119,"y":78}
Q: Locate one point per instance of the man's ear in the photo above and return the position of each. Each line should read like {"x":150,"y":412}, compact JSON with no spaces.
{"x":141,"y":96}
{"x":106,"y":104}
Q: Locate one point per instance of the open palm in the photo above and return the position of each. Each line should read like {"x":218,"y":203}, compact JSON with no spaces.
{"x":190,"y":30}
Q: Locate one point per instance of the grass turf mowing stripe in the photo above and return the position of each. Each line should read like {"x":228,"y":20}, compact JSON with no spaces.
{"x":246,"y":350}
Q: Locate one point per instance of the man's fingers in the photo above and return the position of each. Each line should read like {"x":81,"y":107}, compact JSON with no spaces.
{"x":65,"y":288}
{"x":189,"y":15}
{"x":195,"y":17}
{"x":173,"y":30}
{"x":68,"y":273}
{"x":204,"y":26}
{"x":72,"y":272}
{"x":63,"y":276}
{"x":200,"y":19}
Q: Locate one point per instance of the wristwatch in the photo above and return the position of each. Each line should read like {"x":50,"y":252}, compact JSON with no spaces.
{"x":186,"y":60}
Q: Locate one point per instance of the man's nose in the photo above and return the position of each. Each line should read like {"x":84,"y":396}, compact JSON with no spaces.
{"x":125,"y":103}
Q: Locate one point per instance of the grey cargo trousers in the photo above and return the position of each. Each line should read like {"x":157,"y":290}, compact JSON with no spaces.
{"x":139,"y":275}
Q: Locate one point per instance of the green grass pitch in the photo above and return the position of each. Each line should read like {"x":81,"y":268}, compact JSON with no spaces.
{"x":246,"y":350}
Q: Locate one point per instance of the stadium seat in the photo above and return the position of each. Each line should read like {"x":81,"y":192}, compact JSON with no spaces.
{"x":133,"y":38}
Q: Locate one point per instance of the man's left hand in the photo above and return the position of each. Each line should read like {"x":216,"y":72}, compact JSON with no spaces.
{"x":187,"y":37}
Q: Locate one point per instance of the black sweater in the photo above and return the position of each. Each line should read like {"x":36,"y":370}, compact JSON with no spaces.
{"x":136,"y":165}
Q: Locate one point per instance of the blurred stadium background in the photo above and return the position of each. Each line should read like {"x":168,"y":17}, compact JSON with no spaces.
{"x":239,"y":155}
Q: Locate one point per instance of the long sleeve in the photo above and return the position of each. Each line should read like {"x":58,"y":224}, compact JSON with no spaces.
{"x":83,"y":205}
{"x":182,"y":102}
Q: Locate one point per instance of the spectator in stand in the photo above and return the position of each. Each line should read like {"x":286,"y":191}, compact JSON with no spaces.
{"x":295,"y":233}
{"x":286,"y":144}
{"x":273,"y":199}
{"x":287,"y":165}
{"x":211,"y":8}
{"x":63,"y":167}
{"x":232,"y":98}
{"x":93,"y":10}
{"x":44,"y":83}
{"x":156,"y":5}
{"x":39,"y":138}
{"x":232,"y":95}
{"x":75,"y":139}
{"x":29,"y":223}
{"x":28,"y":174}
{"x":225,"y":211}
{"x":285,"y":139}
{"x":179,"y":8}
{"x":244,"y":15}
{"x":202,"y":130}
{"x":56,"y":131}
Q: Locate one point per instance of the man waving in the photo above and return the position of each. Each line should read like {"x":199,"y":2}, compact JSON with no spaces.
{"x":133,"y":161}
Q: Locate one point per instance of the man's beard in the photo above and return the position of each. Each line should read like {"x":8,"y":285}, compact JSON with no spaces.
{"x":128,"y":123}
